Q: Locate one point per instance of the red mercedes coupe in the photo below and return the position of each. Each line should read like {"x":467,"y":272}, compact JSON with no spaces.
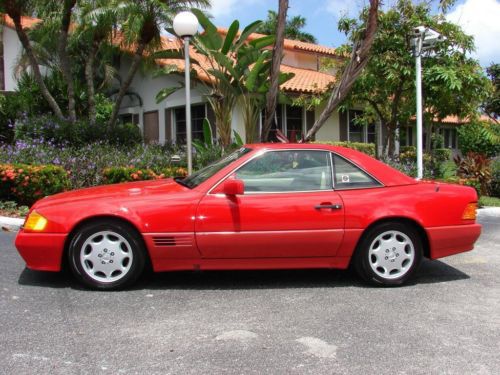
{"x":265,"y":206}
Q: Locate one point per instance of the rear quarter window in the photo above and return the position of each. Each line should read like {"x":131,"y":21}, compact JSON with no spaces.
{"x":349,"y":176}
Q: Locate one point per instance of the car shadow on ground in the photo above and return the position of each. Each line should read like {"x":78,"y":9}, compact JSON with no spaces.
{"x":430,"y":272}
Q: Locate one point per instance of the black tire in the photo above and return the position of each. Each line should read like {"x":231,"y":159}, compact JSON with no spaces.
{"x":388,"y":254}
{"x":107,"y":255}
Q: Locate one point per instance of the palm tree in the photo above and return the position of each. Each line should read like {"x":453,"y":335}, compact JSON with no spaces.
{"x":293,"y":27}
{"x":15,"y":9}
{"x":141,"y":24}
{"x":272,"y":95}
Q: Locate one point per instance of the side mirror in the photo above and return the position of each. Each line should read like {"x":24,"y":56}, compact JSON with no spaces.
{"x":233,"y":187}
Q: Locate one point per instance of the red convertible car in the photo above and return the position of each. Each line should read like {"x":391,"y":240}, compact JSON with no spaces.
{"x":265,"y":206}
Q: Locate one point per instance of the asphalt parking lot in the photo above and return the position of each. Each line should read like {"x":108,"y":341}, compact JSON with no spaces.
{"x":447,"y":321}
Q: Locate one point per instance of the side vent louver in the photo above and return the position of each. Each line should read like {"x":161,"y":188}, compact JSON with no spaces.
{"x":172,"y":241}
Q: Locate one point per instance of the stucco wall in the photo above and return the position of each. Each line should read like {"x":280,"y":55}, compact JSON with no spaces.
{"x":300,"y":60}
{"x":11,"y":50}
{"x":330,"y":131}
{"x":147,"y":87}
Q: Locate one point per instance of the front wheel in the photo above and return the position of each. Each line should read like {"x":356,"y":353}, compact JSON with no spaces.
{"x":388,"y":254}
{"x":107,"y":255}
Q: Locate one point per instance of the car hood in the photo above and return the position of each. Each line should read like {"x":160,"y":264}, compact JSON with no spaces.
{"x":122,"y":190}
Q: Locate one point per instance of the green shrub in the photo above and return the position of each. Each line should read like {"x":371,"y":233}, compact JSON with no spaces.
{"x":471,"y":182}
{"x":125,"y":174}
{"x":367,"y":148}
{"x":86,"y":163}
{"x":495,"y":179}
{"x":441,"y":155}
{"x":48,"y":128}
{"x":479,"y":137}
{"x":9,"y":110}
{"x":404,"y":149}
{"x":27,"y":183}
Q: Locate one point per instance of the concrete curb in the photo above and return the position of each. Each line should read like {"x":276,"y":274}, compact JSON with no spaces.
{"x":12,"y":224}
{"x":489,"y":211}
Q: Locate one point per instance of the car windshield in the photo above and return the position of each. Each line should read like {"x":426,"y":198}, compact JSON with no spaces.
{"x":205,"y":173}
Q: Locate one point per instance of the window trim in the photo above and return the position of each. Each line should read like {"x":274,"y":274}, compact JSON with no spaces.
{"x":174,"y":119}
{"x":364,"y":130}
{"x":361,"y":169}
{"x":262,"y":152}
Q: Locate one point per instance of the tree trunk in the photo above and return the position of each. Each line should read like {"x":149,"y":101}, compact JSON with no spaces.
{"x":359,"y":58}
{"x":89,"y":77}
{"x":272,"y":95}
{"x":15,"y":13}
{"x":2,"y":65}
{"x":390,"y":140}
{"x":126,"y":83}
{"x":63,"y":57}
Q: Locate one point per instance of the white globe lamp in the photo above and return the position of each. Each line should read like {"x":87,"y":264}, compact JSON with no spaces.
{"x":185,"y":24}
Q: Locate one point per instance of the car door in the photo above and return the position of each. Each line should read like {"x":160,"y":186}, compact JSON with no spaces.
{"x":288,"y":209}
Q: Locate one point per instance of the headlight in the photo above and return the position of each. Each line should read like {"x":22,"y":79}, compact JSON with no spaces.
{"x":35,"y":222}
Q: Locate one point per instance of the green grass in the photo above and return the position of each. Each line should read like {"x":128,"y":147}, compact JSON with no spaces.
{"x":489,"y":201}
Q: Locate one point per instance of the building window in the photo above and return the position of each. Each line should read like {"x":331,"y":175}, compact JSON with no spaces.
{"x":129,"y":118}
{"x":294,"y":122}
{"x":289,"y":120}
{"x":406,"y":136}
{"x":359,"y":132}
{"x":198,"y":114}
{"x":450,"y":137}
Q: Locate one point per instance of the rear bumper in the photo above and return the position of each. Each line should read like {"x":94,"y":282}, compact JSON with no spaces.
{"x":445,"y":241}
{"x":41,"y":251}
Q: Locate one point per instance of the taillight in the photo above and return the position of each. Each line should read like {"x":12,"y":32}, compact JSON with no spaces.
{"x":470,"y":212}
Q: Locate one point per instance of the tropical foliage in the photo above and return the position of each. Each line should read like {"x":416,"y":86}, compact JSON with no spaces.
{"x":231,"y":69}
{"x":78,"y":40}
{"x":480,"y":137}
{"x":293,"y":28}
{"x":492,"y":104}
{"x":453,"y":83}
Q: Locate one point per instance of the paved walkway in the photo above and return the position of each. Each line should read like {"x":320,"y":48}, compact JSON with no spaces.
{"x":13,"y":224}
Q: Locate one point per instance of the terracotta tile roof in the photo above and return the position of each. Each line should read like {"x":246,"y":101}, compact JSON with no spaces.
{"x":457,"y":120}
{"x":305,"y":80}
{"x":26,"y":22}
{"x":291,"y":44}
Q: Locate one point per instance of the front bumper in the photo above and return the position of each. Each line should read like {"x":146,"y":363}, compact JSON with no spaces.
{"x":41,"y":251}
{"x":445,"y":241}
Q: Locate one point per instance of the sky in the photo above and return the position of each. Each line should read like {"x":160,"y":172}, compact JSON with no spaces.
{"x":480,"y":18}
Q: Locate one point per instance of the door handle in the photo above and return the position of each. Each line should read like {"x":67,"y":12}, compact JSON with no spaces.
{"x":329,"y":206}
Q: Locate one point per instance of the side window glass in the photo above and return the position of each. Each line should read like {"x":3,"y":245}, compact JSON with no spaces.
{"x":284,"y":171}
{"x":348,"y":176}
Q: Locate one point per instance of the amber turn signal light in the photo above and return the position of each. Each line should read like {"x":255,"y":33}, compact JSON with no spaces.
{"x":470,"y":212}
{"x":35,"y":222}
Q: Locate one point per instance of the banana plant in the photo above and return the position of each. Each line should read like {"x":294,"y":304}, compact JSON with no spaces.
{"x":238,"y":69}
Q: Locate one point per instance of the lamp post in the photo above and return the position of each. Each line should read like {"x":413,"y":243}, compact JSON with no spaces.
{"x":185,"y":26}
{"x":424,"y":39}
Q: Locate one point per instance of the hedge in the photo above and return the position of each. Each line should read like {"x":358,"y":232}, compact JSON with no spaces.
{"x":367,"y":148}
{"x":125,"y":174}
{"x":25,"y":184}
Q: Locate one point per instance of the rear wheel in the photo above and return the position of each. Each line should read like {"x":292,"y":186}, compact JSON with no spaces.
{"x":388,"y":254}
{"x":107,"y":255}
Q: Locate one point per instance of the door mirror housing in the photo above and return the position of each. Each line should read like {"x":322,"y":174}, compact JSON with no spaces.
{"x":233,"y":187}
